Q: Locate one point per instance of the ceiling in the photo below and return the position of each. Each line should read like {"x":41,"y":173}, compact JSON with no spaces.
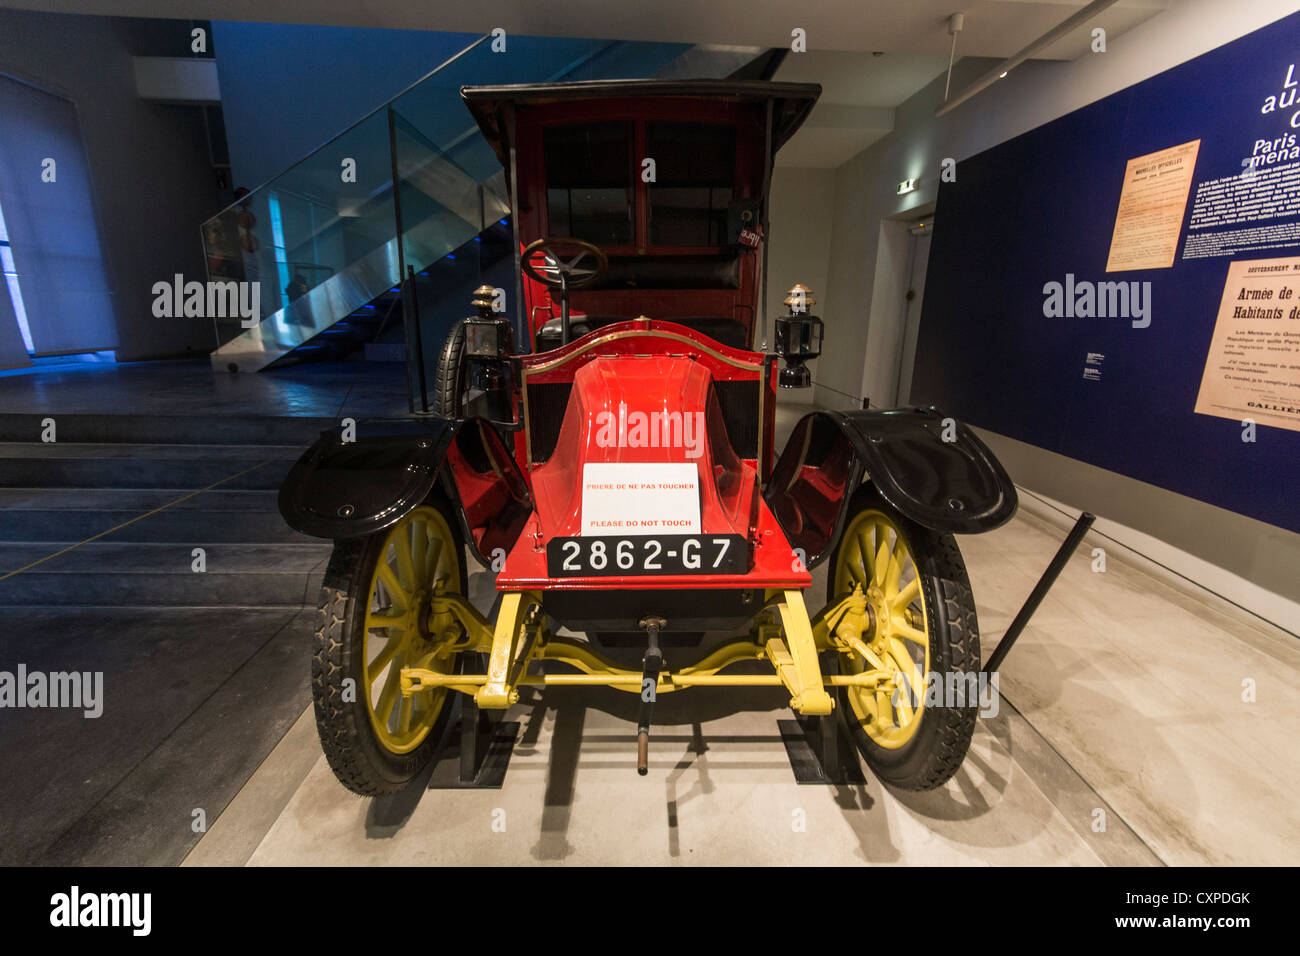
{"x":860,"y":89}
{"x":869,"y":55}
{"x":859,"y":93}
{"x":995,"y":28}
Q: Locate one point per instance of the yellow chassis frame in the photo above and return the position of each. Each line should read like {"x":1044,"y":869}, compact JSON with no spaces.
{"x":782,"y":633}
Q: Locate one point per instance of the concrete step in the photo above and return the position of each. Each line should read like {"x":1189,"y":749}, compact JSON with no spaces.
{"x":74,"y":514}
{"x":177,"y":452}
{"x":109,"y":573}
{"x":68,"y":470}
{"x":109,"y":557}
{"x":173,"y":525}
{"x":385,"y":352}
{"x":298,"y":431}
{"x":136,"y":500}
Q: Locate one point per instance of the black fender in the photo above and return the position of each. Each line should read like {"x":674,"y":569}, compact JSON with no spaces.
{"x":955,"y":485}
{"x":342,"y":490}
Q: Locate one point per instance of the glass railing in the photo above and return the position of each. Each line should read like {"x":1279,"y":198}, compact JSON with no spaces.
{"x":321,"y":238}
{"x":413,"y":184}
{"x":310,"y":230}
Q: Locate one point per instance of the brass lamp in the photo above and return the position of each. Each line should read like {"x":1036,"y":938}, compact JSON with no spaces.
{"x":798,"y":338}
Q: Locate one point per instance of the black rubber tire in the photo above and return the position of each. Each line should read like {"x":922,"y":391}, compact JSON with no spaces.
{"x":451,"y":378}
{"x":357,"y":757}
{"x":940,"y":743}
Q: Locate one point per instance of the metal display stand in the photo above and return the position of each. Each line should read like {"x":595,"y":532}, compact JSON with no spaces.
{"x":485,"y":746}
{"x":819,"y":751}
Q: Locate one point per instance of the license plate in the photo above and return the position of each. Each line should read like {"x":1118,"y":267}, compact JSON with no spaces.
{"x":649,"y":554}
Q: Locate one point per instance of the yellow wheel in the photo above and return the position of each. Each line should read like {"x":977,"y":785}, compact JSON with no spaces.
{"x":918,"y":628}
{"x":875,"y":560}
{"x":376,"y":618}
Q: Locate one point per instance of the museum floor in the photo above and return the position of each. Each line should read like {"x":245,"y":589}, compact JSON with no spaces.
{"x":1123,"y":738}
{"x":1122,"y":708}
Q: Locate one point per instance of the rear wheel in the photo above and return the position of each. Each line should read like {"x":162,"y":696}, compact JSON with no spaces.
{"x":922,"y":629}
{"x":374,"y":620}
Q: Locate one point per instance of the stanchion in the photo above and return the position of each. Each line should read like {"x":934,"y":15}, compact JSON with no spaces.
{"x":1040,"y":590}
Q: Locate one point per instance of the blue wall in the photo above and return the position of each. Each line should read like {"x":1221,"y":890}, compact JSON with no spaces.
{"x":287,"y":88}
{"x":1037,"y":207}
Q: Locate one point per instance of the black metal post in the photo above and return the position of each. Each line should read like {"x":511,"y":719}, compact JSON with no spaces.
{"x":828,"y":736}
{"x":471,"y":751}
{"x":1040,"y":590}
{"x":768,"y":160}
{"x":564,"y":309}
{"x":482,"y":227}
{"x":419,"y":339}
{"x":651,"y":664}
{"x":523,"y":334}
{"x":401,"y":256}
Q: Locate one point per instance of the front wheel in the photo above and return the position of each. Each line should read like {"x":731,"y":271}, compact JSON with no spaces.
{"x":921,"y":630}
{"x":374,"y":620}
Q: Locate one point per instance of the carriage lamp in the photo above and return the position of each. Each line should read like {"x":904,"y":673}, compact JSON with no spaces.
{"x":489,"y":343}
{"x":798,"y":338}
{"x":487,"y":334}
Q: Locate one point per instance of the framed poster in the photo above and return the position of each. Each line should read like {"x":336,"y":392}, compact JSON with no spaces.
{"x":1253,"y":367}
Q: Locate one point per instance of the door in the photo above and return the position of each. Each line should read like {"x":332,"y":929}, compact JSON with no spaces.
{"x":918,"y":259}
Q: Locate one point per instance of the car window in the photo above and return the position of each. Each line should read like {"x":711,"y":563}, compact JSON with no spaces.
{"x":589,"y":181}
{"x":695,"y":169}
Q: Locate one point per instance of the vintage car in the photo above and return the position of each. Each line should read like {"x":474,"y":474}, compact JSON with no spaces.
{"x":608,"y":453}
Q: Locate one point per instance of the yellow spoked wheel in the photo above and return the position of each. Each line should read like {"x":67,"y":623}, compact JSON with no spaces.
{"x":920,"y":629}
{"x":376,"y":618}
{"x":418,"y":553}
{"x":874,"y":558}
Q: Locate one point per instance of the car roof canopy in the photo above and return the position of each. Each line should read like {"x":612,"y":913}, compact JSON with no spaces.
{"x":791,"y":102}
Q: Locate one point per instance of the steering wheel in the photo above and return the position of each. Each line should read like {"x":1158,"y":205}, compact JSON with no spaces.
{"x":563,"y":263}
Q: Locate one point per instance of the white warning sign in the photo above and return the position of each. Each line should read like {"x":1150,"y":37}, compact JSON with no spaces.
{"x":640,"y":498}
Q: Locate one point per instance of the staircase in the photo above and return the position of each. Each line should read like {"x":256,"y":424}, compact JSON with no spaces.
{"x":122,"y":517}
{"x":377,"y":328}
{"x":203,"y":671}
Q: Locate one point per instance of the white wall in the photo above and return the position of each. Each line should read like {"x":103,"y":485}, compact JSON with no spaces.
{"x":800,"y":248}
{"x":862,"y":339}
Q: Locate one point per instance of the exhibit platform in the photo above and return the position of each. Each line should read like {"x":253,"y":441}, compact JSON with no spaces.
{"x":1144,"y":720}
{"x":1122,"y":739}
